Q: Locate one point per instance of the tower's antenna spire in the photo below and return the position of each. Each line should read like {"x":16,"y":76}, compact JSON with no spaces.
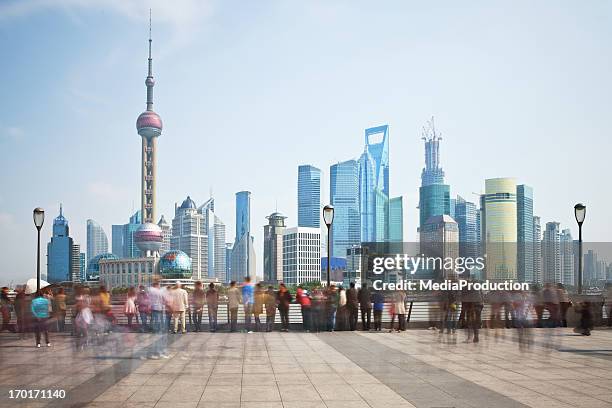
{"x":150,"y":82}
{"x":61,"y":210}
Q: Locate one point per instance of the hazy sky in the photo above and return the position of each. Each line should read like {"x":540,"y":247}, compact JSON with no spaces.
{"x":248,"y":90}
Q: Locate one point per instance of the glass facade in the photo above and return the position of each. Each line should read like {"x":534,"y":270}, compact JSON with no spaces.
{"x":434,"y":199}
{"x":123,"y":238}
{"x":500,"y":228}
{"x":309,"y":196}
{"x":374,"y":185}
{"x":396,"y":219}
{"x":59,"y":251}
{"x":243,"y":253}
{"x":344,"y":196}
{"x":434,"y":195}
{"x":97,"y":242}
{"x":466,"y":215}
{"x":524,"y":235}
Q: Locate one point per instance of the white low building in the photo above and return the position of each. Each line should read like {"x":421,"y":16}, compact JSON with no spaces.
{"x":301,"y":255}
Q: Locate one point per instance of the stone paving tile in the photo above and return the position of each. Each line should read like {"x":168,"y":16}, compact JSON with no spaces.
{"x":148,"y":393}
{"x":301,"y":392}
{"x":260,"y":393}
{"x":220,"y":393}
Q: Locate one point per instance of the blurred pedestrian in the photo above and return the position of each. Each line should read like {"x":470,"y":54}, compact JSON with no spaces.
{"x":21,"y":304}
{"x":157,"y":300}
{"x":199,"y":296}
{"x":609,"y":302}
{"x":551,"y":303}
{"x":234,"y":299}
{"x":564,"y":304}
{"x":331,"y":306}
{"x":6,"y":307}
{"x":378,"y":301}
{"x":271,"y":305}
{"x":342,"y":313}
{"x":248,"y":299}
{"x":586,"y":318}
{"x":284,"y":301}
{"x":129,"y":307}
{"x":212,"y":302}
{"x":302,"y":297}
{"x":40,"y":311}
{"x":365,"y":305}
{"x":352,"y":305}
{"x":399,"y":310}
{"x":60,"y":309}
{"x":180,"y":305}
{"x":143,"y":305}
{"x":258,"y":305}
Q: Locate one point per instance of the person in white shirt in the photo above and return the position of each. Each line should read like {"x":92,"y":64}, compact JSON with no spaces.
{"x":180,"y":303}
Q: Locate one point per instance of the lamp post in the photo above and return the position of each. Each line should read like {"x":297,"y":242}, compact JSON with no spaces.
{"x":39,"y":219}
{"x":580,"y":214}
{"x":328,"y":217}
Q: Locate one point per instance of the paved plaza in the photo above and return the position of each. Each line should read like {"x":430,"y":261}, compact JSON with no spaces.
{"x":417,"y":368}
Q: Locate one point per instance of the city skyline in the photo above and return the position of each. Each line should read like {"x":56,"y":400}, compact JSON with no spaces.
{"x":108,"y":191}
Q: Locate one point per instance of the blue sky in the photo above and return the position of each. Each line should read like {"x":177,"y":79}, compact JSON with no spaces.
{"x":249,"y":90}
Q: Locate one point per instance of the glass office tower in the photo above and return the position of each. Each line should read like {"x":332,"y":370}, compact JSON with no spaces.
{"x":309,"y":196}
{"x":344,"y":196}
{"x":524,"y":235}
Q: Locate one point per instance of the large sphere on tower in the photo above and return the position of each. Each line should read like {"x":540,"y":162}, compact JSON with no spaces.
{"x":149,"y":124}
{"x":175,"y":265}
{"x":149,"y":237}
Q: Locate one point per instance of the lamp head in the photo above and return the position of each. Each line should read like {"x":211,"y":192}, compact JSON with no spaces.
{"x":328,"y":215}
{"x":39,"y":217}
{"x":580,"y":213}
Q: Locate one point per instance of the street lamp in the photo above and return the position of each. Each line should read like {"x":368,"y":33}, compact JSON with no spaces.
{"x":580,"y":214}
{"x":39,"y":219}
{"x":328,"y":217}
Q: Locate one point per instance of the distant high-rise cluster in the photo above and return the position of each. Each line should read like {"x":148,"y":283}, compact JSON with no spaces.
{"x":64,"y":259}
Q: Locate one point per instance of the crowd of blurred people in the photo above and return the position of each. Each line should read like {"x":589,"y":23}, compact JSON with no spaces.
{"x":171,"y":309}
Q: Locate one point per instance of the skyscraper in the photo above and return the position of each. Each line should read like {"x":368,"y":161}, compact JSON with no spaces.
{"x":396,"y":219}
{"x":75,"y":263}
{"x":215,"y":230}
{"x":466,"y":216}
{"x":440,"y":239}
{"x":273,"y":248}
{"x":97,"y":242}
{"x":124,"y":245}
{"x":301,"y":255}
{"x":243,"y":253}
{"x":374,"y":185}
{"x":537,"y":250}
{"x":500,"y":228}
{"x":566,"y":250}
{"x":309,"y":196}
{"x":434,"y":195}
{"x":344,"y":196}
{"x":60,"y":251}
{"x":524,"y":234}
{"x":166,"y":234}
{"x":149,"y":125}
{"x":189,"y":236}
{"x":551,"y":253}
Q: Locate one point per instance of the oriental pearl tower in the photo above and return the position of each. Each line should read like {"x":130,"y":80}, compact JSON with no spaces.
{"x":149,"y":236}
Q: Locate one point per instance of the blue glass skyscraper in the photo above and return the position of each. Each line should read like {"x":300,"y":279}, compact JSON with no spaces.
{"x":123,"y":245}
{"x":524,"y":233}
{"x":309,"y":196}
{"x":243,"y":253}
{"x":344,"y":196}
{"x":466,"y":215}
{"x":434,"y":195}
{"x":374,"y":185}
{"x":59,"y":251}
